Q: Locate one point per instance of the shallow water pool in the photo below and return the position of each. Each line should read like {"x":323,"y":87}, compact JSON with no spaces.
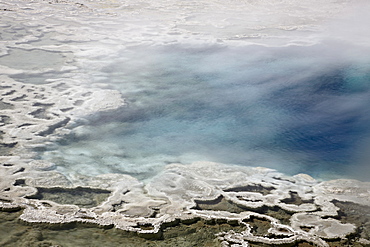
{"x":295,"y":109}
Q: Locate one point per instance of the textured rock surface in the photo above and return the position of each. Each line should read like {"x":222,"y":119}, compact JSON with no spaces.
{"x":180,"y":194}
{"x":35,"y":114}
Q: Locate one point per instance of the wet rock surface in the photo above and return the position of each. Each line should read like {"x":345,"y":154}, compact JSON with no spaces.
{"x":83,"y":197}
{"x":160,"y":212}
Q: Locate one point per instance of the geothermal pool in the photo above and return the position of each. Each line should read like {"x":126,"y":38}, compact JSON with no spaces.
{"x":178,"y":123}
{"x":289,"y":91}
{"x":295,"y":109}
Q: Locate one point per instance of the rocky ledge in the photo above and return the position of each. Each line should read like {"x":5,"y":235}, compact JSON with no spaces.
{"x":263,"y":205}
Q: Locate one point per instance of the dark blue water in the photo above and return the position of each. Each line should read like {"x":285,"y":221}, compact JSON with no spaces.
{"x":296,"y":109}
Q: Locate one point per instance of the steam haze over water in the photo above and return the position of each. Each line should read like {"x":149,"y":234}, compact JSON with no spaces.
{"x":295,"y":109}
{"x":279,"y":84}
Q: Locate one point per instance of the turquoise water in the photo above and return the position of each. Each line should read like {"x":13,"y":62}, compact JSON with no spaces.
{"x":295,"y":109}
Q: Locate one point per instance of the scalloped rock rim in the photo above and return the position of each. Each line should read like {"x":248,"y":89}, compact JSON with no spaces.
{"x":148,"y":209}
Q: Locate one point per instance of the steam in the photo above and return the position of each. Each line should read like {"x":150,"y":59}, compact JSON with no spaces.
{"x":351,"y":26}
{"x":295,"y":109}
{"x":282,"y":84}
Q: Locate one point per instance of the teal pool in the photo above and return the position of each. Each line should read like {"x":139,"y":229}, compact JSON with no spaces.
{"x":295,"y":109}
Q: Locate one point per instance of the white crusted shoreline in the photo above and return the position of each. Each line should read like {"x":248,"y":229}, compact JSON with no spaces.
{"x":35,"y":119}
{"x":175,"y":195}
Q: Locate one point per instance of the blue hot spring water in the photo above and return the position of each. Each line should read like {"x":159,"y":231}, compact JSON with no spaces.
{"x":295,"y":109}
